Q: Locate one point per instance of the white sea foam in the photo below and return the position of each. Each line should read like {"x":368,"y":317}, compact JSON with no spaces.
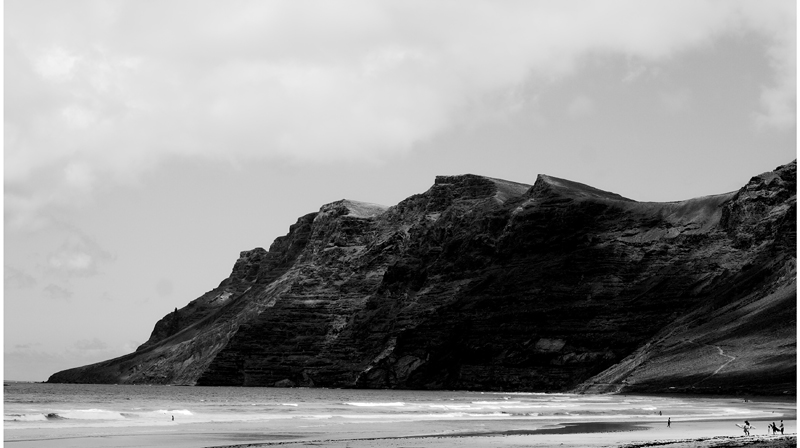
{"x":498,"y":403}
{"x":90,"y":414}
{"x":376,"y":405}
{"x":410,"y":417}
{"x":176,"y":412}
{"x":450,"y":406}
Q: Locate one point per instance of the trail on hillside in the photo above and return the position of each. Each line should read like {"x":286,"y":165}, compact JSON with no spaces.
{"x":721,"y":353}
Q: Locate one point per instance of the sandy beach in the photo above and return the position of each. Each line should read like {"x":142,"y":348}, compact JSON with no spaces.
{"x":683,"y":434}
{"x":95,"y":416}
{"x":462,"y":433}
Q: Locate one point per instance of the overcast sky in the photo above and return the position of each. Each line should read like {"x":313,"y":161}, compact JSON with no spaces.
{"x":147,"y":143}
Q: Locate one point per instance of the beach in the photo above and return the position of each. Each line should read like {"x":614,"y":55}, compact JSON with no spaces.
{"x":408,"y":435}
{"x":691,"y":434}
{"x":89,"y":416}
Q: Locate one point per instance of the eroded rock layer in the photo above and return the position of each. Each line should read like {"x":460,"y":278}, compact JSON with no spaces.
{"x":486,"y":284}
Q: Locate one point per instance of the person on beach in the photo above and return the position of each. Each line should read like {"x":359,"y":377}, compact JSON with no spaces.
{"x":669,"y":421}
{"x":781,"y":427}
{"x":747,"y":427}
{"x":773,"y":428}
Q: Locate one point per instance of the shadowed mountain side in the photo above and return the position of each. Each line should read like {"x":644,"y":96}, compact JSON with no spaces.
{"x":746,"y":339}
{"x":481,"y":283}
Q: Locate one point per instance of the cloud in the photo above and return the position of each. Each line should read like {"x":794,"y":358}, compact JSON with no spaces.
{"x":100,"y":91}
{"x":57,"y":292}
{"x":79,"y":255}
{"x":72,"y":261}
{"x":94,"y":344}
{"x":55,"y":64}
{"x":16,"y":279}
{"x":777,"y":21}
{"x":637,"y":69}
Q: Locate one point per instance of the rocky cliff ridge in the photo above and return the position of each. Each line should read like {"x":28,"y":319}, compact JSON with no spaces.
{"x":482,"y":283}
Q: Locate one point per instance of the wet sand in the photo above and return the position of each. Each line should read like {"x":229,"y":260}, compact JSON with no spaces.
{"x":616,"y":434}
{"x":436,"y":434}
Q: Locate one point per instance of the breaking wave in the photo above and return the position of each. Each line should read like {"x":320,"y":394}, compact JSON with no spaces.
{"x":89,"y":414}
{"x":377,"y":405}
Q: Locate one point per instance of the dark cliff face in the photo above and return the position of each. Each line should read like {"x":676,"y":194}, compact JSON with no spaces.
{"x":480,"y":283}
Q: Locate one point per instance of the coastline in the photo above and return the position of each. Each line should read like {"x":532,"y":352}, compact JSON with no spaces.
{"x":634,"y":436}
{"x":778,"y":441}
{"x":394,"y":420}
{"x":434,"y":434}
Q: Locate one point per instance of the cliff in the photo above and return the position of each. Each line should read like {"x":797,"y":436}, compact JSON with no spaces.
{"x":481,"y":283}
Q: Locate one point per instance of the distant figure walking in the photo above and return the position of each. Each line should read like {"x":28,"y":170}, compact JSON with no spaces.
{"x":173,"y":418}
{"x":659,"y":412}
{"x":747,"y":426}
{"x":773,"y":428}
{"x":781,"y":427}
{"x":669,"y":421}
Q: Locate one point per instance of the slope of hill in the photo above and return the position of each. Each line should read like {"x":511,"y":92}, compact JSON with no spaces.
{"x":482,"y":283}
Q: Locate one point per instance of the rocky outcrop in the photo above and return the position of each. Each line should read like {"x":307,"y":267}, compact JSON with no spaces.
{"x":481,"y":283}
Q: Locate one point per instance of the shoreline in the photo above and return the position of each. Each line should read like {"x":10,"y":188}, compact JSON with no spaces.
{"x":694,"y":423}
{"x":428,"y":434}
{"x":522,"y":439}
{"x":504,"y":439}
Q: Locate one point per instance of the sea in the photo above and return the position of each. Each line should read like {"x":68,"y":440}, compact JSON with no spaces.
{"x":43,"y":405}
{"x":40,"y":409}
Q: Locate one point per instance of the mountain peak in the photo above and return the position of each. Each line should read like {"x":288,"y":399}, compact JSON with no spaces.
{"x":355,"y":209}
{"x":360,"y":209}
{"x":564,"y":187}
{"x":474,"y":186}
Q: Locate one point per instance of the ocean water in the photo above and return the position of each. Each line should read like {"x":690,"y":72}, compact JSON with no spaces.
{"x":52,"y":406}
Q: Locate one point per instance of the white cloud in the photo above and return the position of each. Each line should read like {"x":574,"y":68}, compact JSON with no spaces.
{"x":79,"y":255}
{"x":121,"y":86}
{"x":71,"y":261}
{"x":56,"y":64}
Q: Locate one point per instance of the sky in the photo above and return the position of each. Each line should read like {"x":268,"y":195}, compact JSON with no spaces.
{"x":146,"y":144}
